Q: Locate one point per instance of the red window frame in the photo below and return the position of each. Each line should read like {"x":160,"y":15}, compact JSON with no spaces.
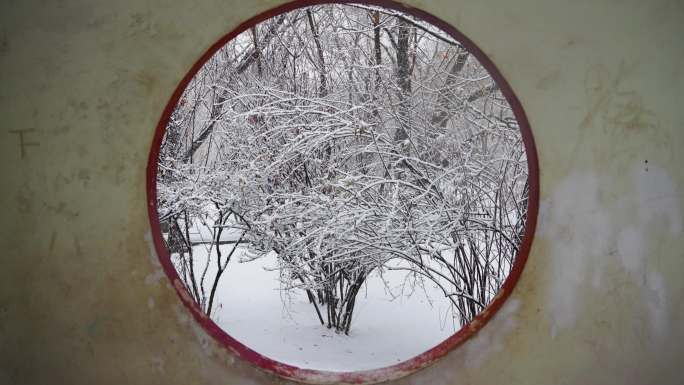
{"x":366,"y":376}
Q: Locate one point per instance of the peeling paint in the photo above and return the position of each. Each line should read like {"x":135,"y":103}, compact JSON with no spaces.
{"x":586,"y":235}
{"x":656,"y":302}
{"x":158,"y":273}
{"x":630,"y":248}
{"x":154,"y":278}
{"x":491,"y":339}
{"x":658,"y":197}
{"x":578,"y":229}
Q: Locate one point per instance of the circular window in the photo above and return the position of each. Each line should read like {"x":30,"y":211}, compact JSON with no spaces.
{"x":343,"y":192}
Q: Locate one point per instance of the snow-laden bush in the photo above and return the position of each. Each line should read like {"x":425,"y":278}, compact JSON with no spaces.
{"x":348,"y":139}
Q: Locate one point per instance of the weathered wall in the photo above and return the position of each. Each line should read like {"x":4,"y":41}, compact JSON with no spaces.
{"x":82,"y":296}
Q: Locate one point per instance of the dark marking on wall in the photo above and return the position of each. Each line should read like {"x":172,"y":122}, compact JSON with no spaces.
{"x":549,"y":80}
{"x":84,"y":176}
{"x":614,"y":105}
{"x":53,"y":239}
{"x":82,"y":150}
{"x":616,"y":109}
{"x":600,"y":87}
{"x":61,"y":209}
{"x":140,"y":22}
{"x":77,"y":246}
{"x":62,"y":181}
{"x":4,"y":46}
{"x":146,"y":80}
{"x":24,"y":198}
{"x":61,"y":130}
{"x":4,"y":311}
{"x":23,"y":141}
{"x":91,"y":328}
{"x":628,"y":112}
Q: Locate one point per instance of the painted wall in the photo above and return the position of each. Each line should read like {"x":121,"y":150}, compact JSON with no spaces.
{"x":83,"y":299}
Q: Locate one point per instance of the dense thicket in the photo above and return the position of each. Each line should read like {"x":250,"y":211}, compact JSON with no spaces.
{"x":347,"y":139}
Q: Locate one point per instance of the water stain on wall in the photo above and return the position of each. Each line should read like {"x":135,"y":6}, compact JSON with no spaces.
{"x":587,"y":237}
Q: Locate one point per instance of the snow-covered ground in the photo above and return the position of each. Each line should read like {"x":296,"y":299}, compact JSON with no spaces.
{"x":388,"y":327}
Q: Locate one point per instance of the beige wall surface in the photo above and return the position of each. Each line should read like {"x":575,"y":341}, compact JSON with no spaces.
{"x":83,"y":299}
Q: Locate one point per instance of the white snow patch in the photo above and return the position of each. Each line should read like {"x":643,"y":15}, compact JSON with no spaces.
{"x":384,"y":331}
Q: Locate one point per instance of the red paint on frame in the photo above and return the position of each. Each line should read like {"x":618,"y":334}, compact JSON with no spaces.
{"x":366,"y":376}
